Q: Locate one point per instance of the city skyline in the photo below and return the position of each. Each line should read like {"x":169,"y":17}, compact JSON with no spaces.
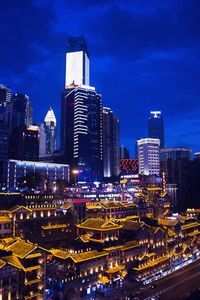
{"x":155,"y":82}
{"x":99,"y":150}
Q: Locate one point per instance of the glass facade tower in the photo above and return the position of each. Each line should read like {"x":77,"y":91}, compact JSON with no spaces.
{"x":81,"y":131}
{"x":156,"y":127}
{"x":77,"y":62}
{"x":111,"y":145}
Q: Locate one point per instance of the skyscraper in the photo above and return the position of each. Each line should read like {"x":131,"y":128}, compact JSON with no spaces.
{"x":149,"y":156}
{"x":77,"y":62}
{"x":42,"y":140}
{"x":81,"y":131}
{"x":51,"y":131}
{"x":179,"y":169}
{"x":81,"y":115}
{"x":5,"y":94}
{"x":4,"y":137}
{"x":21,"y":111}
{"x":175,"y":153}
{"x":124,"y":153}
{"x":31,"y":143}
{"x":111,"y":156}
{"x":24,"y":143}
{"x":156,"y":127}
{"x":5,"y":99}
{"x":20,"y":120}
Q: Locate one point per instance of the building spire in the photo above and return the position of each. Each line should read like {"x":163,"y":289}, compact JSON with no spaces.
{"x":50,"y":116}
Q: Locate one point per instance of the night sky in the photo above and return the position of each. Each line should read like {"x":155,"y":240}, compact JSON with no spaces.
{"x":144,"y":55}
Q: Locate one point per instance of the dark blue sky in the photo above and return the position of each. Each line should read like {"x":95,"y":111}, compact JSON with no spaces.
{"x":144,"y":54}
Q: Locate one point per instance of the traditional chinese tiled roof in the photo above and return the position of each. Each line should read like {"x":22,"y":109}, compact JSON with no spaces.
{"x":104,"y":279}
{"x":5,"y":241}
{"x":85,"y":238}
{"x":30,"y":282}
{"x":153,"y":263}
{"x":111,"y":204}
{"x":130,"y":245}
{"x":194,"y":233}
{"x":132,"y":225}
{"x":36,"y":295}
{"x":166,"y":212}
{"x":17,"y":250}
{"x":56,"y":226}
{"x":115,"y":269}
{"x":152,"y":254}
{"x":2,"y":263}
{"x":128,"y":204}
{"x":158,"y":260}
{"x":21,"y":248}
{"x":153,"y":189}
{"x":5,"y":219}
{"x":60,"y":253}
{"x":13,"y":261}
{"x":154,"y":229}
{"x":34,"y":255}
{"x":168,"y":222}
{"x":170,"y":232}
{"x":115,"y":204}
{"x":118,"y":247}
{"x":66,"y":206}
{"x":97,"y":240}
{"x":93,"y":206}
{"x":124,"y":220}
{"x":99,"y":224}
{"x":43,"y":208}
{"x":89,"y":255}
{"x":33,"y":268}
{"x":190,"y":225}
{"x":19,"y":207}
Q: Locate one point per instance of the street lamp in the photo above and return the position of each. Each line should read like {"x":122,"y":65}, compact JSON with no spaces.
{"x":75,"y":172}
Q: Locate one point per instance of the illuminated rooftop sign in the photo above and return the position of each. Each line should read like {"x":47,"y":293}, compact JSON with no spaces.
{"x":155,"y":114}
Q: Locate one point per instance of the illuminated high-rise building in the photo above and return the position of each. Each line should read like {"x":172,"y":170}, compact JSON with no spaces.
{"x":149,"y":156}
{"x":124,"y":153}
{"x":111,"y":146}
{"x":5,"y":99}
{"x":179,"y":170}
{"x":81,"y":115}
{"x":4,"y":138}
{"x":51,"y":131}
{"x":21,"y":111}
{"x":5,"y":94}
{"x":176,"y":153}
{"x":156,"y":127}
{"x":24,"y":143}
{"x":42,"y":140}
{"x":77,"y":62}
{"x":81,"y":131}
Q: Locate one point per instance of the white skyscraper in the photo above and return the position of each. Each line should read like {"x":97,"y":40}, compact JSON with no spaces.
{"x":77,"y":62}
{"x":149,"y":156}
{"x":51,"y":131}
